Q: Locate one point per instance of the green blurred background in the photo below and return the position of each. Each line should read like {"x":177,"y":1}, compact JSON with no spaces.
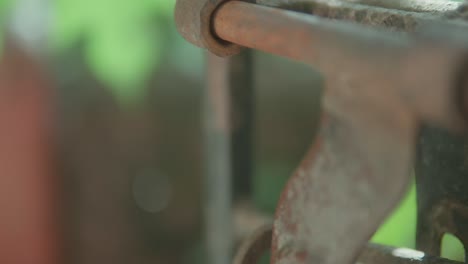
{"x":123,"y":60}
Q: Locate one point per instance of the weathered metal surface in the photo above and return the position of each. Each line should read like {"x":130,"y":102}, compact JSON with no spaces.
{"x":402,"y":59}
{"x":411,"y":5}
{"x":194,"y":18}
{"x":441,"y":177}
{"x":398,"y":19}
{"x":228,"y":124}
{"x":360,"y":165}
{"x":404,"y":5}
{"x":29,"y":219}
{"x":440,"y":167}
{"x":350,"y":180}
{"x":321,"y":43}
{"x":258,"y":244}
{"x":355,"y":174}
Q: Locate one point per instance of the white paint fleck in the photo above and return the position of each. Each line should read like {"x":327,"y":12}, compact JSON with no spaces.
{"x":408,"y":253}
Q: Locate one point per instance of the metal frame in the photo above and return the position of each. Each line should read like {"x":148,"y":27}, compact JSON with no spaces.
{"x":390,"y":69}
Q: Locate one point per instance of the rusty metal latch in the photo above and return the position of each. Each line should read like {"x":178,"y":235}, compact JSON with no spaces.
{"x":383,"y":83}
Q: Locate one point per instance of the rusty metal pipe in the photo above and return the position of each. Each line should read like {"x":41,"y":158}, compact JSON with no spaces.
{"x":402,"y":60}
{"x":314,"y":40}
{"x":285,"y":33}
{"x":367,"y":54}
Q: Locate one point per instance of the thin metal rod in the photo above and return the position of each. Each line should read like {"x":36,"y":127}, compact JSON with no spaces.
{"x":242,"y":114}
{"x":228,"y":132}
{"x":218,"y":214}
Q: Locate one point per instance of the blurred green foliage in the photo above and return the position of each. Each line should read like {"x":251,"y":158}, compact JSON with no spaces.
{"x":267,"y":185}
{"x":4,"y":4}
{"x":400,"y":228}
{"x":123,"y":40}
{"x":452,"y":248}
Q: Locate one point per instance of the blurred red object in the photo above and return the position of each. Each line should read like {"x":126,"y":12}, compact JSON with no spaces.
{"x":28,"y":201}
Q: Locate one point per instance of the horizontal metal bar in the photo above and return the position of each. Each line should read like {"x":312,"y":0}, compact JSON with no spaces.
{"x":369,"y":55}
{"x":293,"y":35}
{"x":312,"y":39}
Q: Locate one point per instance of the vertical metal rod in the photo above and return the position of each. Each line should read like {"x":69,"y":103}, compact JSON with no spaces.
{"x":228,"y":126}
{"x":218,"y":167}
{"x":242,"y":119}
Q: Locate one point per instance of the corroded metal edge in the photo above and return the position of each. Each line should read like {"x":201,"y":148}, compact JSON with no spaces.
{"x":257,"y":245}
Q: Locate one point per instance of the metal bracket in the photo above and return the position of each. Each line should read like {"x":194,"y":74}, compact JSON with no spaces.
{"x":350,"y":180}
